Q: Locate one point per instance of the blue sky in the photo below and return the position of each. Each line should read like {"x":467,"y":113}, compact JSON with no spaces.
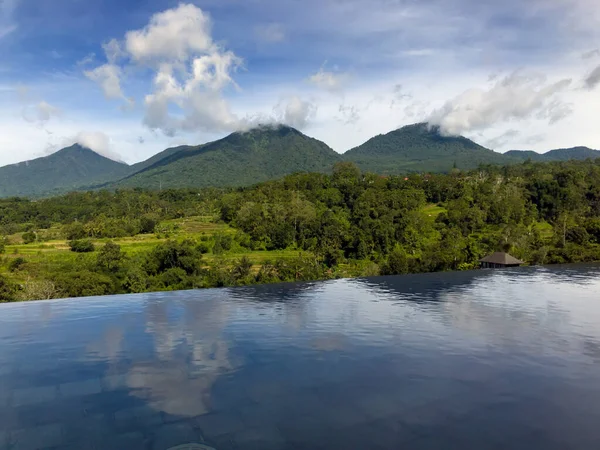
{"x":130,"y":78}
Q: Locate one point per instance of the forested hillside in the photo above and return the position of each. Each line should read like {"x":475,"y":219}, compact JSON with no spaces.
{"x":258,"y":155}
{"x":561,"y":154}
{"x":302,"y":227}
{"x":240,"y":159}
{"x":63,"y":171}
{"x":421,"y":148}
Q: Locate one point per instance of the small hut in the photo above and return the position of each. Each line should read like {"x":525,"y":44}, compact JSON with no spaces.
{"x":498,"y":260}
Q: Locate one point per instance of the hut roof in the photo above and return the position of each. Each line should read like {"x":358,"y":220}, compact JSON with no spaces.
{"x":501,"y":258}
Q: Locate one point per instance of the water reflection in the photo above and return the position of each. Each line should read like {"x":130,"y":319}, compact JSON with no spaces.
{"x":476,"y":359}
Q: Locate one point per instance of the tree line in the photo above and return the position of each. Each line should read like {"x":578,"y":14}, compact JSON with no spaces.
{"x":346,"y":223}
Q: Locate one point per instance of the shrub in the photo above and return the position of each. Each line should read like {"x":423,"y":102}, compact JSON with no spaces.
{"x":74,"y":231}
{"x":172,"y":254}
{"x":148,"y":224}
{"x":83,"y":283}
{"x":110,"y":257}
{"x":136,"y":280}
{"x":82,"y":246}
{"x":224,"y":241}
{"x":7,"y":290}
{"x":16,"y":264}
{"x":29,"y":237}
{"x":203,"y":248}
{"x":242,"y":269}
{"x":397,"y":263}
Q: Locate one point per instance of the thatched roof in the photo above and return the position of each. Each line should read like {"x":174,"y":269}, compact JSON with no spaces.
{"x":501,"y":258}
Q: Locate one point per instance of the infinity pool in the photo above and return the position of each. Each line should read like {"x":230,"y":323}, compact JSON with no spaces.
{"x":506,"y":359}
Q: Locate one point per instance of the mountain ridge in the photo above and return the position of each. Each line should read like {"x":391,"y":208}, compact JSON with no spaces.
{"x":260,"y":154}
{"x":559,"y":154}
{"x":67,"y":169}
{"x":241,"y":158}
{"x":420,"y":148}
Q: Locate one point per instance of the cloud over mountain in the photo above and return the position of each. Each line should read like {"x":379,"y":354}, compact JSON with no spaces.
{"x":516,"y":96}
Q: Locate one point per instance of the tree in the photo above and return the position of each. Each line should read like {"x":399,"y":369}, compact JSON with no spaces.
{"x":16,"y":264}
{"x":82,"y":246}
{"x":397,"y":263}
{"x":172,"y":254}
{"x":83,"y":283}
{"x":242,"y":269}
{"x":7,"y":290}
{"x":110,"y":257}
{"x":147,"y":224}
{"x":29,"y":237}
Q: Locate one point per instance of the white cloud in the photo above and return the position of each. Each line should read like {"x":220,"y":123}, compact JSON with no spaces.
{"x":591,"y":54}
{"x":40,"y":113}
{"x":112,"y":50}
{"x":419,"y":52}
{"x":327,"y":80}
{"x":593,"y":79}
{"x":174,"y":34}
{"x":272,"y":32}
{"x":295,"y":112}
{"x":190,"y":72}
{"x":348,"y":114}
{"x":86,"y":60}
{"x":502,"y":139}
{"x":108,"y":76}
{"x":199,"y":98}
{"x":517,"y":96}
{"x":98,"y":142}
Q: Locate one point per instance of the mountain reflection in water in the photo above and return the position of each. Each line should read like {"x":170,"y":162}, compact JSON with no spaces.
{"x":484,"y":359}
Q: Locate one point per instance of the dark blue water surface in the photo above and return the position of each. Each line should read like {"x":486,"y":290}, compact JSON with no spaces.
{"x":505,"y":359}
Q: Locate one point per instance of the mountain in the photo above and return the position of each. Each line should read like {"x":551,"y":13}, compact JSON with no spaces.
{"x":240,"y":159}
{"x":561,"y":154}
{"x":66,"y":170}
{"x":524,"y":155}
{"x":142,"y":165}
{"x":421,"y":148}
{"x":260,"y":154}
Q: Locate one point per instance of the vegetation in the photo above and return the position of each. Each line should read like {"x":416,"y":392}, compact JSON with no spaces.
{"x":240,"y":159}
{"x":67,"y":169}
{"x":302,"y":227}
{"x":258,"y":155}
{"x":420,"y":148}
{"x":562,"y":154}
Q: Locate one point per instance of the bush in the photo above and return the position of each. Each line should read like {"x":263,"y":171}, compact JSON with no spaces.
{"x":223,"y":241}
{"x":74,"y":231}
{"x":110,"y":257}
{"x":16,"y":264}
{"x":397,"y":263}
{"x":29,"y":237}
{"x":84,"y":283}
{"x":147,"y":225}
{"x":242,"y":270}
{"x":82,"y":246}
{"x":203,"y":248}
{"x":171,"y":255}
{"x":578,"y":235}
{"x":174,"y":279}
{"x":7,"y":290}
{"x":136,"y":280}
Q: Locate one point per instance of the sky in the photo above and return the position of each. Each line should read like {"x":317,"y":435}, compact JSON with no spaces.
{"x":130,"y":78}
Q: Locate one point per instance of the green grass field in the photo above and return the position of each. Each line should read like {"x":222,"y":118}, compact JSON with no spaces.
{"x":53,"y":254}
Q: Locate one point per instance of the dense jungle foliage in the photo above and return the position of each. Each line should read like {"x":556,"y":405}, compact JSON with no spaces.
{"x":306,"y":226}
